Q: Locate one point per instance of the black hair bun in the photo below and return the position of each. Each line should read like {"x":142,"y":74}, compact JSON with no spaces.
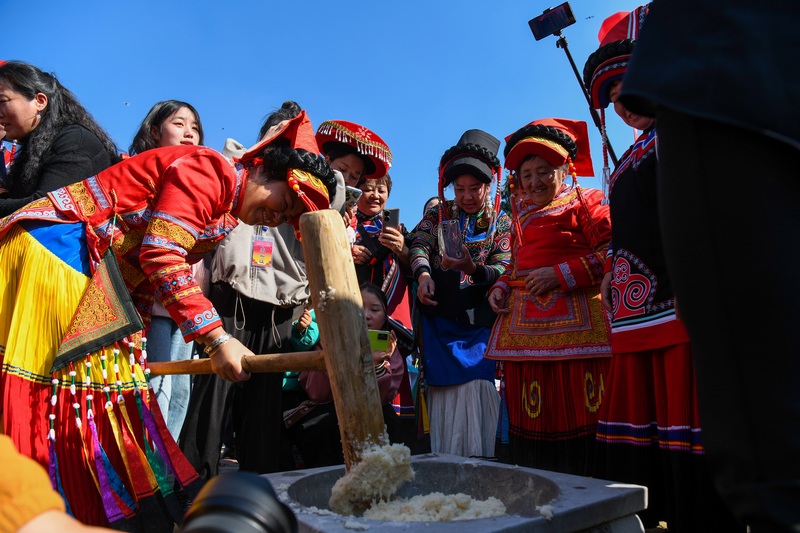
{"x":603,"y":54}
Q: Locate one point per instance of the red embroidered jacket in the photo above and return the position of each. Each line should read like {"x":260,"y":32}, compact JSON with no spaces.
{"x":161,"y":210}
{"x":561,"y":235}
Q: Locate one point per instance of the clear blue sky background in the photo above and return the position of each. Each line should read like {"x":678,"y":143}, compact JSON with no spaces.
{"x":417,"y":73}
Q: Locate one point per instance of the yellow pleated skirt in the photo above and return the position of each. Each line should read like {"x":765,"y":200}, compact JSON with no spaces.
{"x":92,"y":424}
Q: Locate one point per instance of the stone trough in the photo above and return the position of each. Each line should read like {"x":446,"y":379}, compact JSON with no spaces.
{"x":535,"y":500}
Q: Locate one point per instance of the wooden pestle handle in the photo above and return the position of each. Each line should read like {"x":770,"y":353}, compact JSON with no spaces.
{"x":271,"y":362}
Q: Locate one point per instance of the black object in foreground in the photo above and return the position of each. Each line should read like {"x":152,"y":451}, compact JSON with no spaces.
{"x":243,"y":502}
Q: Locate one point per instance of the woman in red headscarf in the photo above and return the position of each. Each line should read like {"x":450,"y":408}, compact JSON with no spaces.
{"x":72,"y":267}
{"x":379,"y":251}
{"x":552,"y":333}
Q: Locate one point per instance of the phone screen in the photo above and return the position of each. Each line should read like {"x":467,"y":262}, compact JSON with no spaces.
{"x":552,"y":21}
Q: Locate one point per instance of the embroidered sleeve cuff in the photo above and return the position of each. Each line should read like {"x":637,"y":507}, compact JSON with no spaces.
{"x":198,"y":323}
{"x":565,"y":276}
{"x":503,"y":286}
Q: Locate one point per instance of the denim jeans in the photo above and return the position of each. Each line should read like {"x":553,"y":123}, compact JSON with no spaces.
{"x":165,"y":343}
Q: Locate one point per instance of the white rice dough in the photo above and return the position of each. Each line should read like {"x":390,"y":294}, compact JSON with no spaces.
{"x":377,"y":476}
{"x":435,"y":507}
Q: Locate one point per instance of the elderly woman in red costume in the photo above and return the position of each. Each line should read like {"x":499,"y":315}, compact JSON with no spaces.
{"x":552,"y":333}
{"x":76,"y":265}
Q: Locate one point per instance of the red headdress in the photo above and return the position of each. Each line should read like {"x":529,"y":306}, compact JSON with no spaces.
{"x":367,"y":144}
{"x":558,"y":140}
{"x":607,"y":65}
{"x":299,"y":133}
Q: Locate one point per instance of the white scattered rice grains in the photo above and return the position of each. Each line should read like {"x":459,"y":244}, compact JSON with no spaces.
{"x":371,"y":482}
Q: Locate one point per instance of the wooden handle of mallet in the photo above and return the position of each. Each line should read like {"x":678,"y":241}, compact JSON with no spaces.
{"x":271,"y":362}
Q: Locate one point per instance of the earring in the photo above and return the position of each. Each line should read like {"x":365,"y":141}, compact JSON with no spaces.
{"x":38,"y":116}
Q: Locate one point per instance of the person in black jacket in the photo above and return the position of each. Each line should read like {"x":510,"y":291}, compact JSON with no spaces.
{"x":60,"y":141}
{"x":721,"y":77}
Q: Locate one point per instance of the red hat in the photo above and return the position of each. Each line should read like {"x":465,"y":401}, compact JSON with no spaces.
{"x":608,"y":64}
{"x":367,"y":144}
{"x":622,"y":25}
{"x":556,"y":140}
{"x":300,"y":134}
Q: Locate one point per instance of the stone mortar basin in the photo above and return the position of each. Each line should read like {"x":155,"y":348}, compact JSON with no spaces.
{"x":578,"y":503}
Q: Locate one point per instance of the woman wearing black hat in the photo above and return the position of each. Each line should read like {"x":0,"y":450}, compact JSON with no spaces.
{"x":552,"y":333}
{"x":463,"y":402}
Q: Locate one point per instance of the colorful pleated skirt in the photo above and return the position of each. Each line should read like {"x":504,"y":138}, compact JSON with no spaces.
{"x":553,"y":410}
{"x":556,"y":352}
{"x":649,"y":433}
{"x":93,"y":424}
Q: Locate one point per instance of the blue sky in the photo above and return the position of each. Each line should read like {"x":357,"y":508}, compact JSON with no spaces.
{"x":417,"y":73}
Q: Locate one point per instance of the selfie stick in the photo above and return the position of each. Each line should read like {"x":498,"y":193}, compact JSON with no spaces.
{"x":562,"y":43}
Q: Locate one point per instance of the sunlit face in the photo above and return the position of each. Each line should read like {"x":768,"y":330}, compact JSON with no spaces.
{"x":178,"y":128}
{"x":631,"y":119}
{"x":539,"y":180}
{"x":17,"y":113}
{"x":269,"y":204}
{"x":374,"y":313}
{"x":351,"y":166}
{"x":470,"y":193}
{"x":374,"y":198}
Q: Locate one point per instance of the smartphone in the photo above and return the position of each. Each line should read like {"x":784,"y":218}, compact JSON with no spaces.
{"x":351,"y":196}
{"x":391,"y":218}
{"x":378,"y":340}
{"x":552,"y":21}
{"x":450,"y":239}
